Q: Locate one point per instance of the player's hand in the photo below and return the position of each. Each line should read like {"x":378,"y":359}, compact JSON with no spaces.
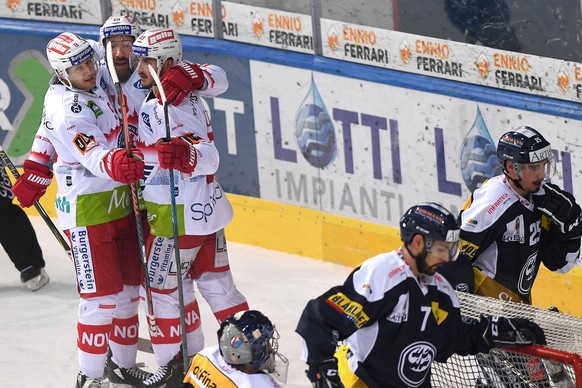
{"x":123,"y":168}
{"x":180,"y":80}
{"x":178,"y":154}
{"x":323,"y":373}
{"x":32,"y":184}
{"x":559,"y":205}
{"x":499,"y":332}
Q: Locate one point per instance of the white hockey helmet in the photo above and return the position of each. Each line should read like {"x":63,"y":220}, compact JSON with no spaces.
{"x":68,"y":50}
{"x":159,"y":43}
{"x":119,"y":25}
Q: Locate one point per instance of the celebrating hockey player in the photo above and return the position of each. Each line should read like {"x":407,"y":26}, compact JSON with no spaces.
{"x":81,"y":127}
{"x":244,"y":357}
{"x":202,"y":207}
{"x":394,"y":315}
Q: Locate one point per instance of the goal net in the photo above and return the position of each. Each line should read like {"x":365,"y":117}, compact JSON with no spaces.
{"x":558,"y":364}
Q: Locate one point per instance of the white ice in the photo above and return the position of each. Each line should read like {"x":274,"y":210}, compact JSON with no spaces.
{"x":38,"y":329}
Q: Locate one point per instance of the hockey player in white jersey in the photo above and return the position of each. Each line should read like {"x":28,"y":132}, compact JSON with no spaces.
{"x":244,"y":357}
{"x":80,"y":125}
{"x":202,"y":207}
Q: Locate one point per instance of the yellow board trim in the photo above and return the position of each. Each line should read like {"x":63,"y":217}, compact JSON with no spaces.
{"x":345,"y":241}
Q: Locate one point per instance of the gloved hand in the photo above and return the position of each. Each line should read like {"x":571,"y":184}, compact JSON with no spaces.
{"x":123,"y":168}
{"x":180,"y":80}
{"x":498,"y":332}
{"x":323,"y":373}
{"x":32,"y":184}
{"x":559,"y":205}
{"x":178,"y":154}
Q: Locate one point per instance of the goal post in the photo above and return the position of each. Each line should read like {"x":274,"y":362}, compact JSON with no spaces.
{"x":558,"y":364}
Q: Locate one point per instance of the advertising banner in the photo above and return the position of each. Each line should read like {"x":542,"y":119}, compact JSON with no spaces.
{"x":186,"y":17}
{"x":270,"y":27}
{"x":368,"y":151}
{"x":64,"y":11}
{"x":452,"y":60}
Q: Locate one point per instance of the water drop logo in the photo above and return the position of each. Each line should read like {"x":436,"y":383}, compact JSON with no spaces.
{"x":478,"y":155}
{"x":314,"y":130}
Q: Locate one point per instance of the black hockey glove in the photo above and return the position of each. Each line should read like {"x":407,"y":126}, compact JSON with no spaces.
{"x":561,"y":207}
{"x":500,"y":332}
{"x":323,"y":373}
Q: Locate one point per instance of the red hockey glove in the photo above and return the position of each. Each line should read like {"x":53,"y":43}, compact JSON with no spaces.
{"x":180,"y":80}
{"x":32,"y":184}
{"x":123,"y":168}
{"x":178,"y":154}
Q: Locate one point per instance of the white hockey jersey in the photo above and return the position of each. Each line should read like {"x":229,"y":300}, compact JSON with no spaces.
{"x":202,"y":206}
{"x":208,"y":369}
{"x":78,"y":128}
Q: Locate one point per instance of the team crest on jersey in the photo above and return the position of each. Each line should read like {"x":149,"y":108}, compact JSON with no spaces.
{"x":415,"y":361}
{"x":526,"y":277}
{"x":84,"y":143}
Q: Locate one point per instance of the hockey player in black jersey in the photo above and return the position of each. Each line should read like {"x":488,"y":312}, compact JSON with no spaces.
{"x":516,"y":221}
{"x":395,"y":315}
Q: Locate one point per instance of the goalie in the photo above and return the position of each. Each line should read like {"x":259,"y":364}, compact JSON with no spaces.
{"x":395,"y":315}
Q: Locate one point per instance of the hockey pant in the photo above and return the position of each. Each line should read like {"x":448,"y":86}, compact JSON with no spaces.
{"x":204,"y":259}
{"x":17,"y":235}
{"x":104,"y":321}
{"x":109,"y":272}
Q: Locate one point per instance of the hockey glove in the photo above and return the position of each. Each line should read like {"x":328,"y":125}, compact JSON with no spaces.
{"x":323,"y":373}
{"x":560,"y":206}
{"x":123,"y":168}
{"x":180,"y":80}
{"x":179,"y":153}
{"x":499,"y":332}
{"x":32,"y":184}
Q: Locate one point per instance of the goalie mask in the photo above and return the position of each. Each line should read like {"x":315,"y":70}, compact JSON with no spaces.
{"x":160,"y":44}
{"x":250,"y":338}
{"x":434,"y":223}
{"x":68,"y":50}
{"x":522,"y":146}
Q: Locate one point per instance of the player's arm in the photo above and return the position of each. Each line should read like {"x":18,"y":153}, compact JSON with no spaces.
{"x":37,"y":176}
{"x":88,"y":145}
{"x":480,"y":335}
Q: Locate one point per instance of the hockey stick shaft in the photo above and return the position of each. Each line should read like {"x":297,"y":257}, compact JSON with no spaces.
{"x":174,"y":224}
{"x":154,"y":330}
{"x":8,"y":163}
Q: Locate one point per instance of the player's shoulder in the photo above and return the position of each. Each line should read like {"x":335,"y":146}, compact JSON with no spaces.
{"x":379,"y":274}
{"x":443,"y":286}
{"x":489,"y":203}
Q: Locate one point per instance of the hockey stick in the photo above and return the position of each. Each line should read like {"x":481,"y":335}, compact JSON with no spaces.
{"x":174,"y":224}
{"x":144,"y":344}
{"x":154,"y":330}
{"x":6,"y":159}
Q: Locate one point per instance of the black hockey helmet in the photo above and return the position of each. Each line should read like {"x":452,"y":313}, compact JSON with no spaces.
{"x":524,"y":145}
{"x":432,"y":221}
{"x":248,"y":337}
